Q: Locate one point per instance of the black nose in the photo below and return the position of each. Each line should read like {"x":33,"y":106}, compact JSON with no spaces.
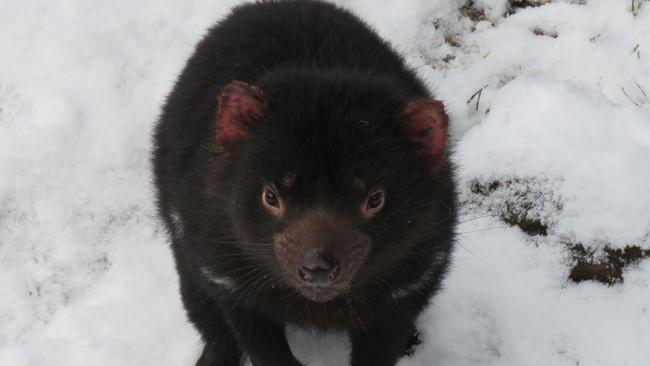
{"x":319,"y":267}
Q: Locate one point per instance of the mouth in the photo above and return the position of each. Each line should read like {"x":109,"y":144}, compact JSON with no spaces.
{"x":320,"y":293}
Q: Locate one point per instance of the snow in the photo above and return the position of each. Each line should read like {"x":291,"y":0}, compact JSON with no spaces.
{"x":580,"y":137}
{"x":564,"y":111}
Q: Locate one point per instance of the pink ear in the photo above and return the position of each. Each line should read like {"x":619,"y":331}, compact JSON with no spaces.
{"x":426,"y":124}
{"x":240,"y":105}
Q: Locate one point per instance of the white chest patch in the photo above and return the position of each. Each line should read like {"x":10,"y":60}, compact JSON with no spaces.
{"x":178,"y":224}
{"x":421,"y":282}
{"x":222,"y":281}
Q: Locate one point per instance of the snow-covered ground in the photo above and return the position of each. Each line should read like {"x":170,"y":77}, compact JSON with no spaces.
{"x":551,"y":112}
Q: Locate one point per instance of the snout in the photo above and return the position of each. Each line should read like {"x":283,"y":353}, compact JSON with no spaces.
{"x":319,"y":267}
{"x":320,"y":255}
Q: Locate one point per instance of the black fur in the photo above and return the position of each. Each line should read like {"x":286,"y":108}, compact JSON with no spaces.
{"x":334,"y":96}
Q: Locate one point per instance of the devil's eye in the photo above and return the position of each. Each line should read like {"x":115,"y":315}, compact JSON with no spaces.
{"x":375,"y":200}
{"x":271,"y":199}
{"x":374,"y":203}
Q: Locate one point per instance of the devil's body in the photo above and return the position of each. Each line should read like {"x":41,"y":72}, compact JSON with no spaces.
{"x":328,"y":101}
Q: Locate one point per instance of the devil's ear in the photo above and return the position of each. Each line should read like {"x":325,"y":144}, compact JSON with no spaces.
{"x":426,"y":125}
{"x":240,"y":107}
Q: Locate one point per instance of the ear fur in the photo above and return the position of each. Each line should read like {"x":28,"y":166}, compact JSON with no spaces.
{"x":240,"y":106}
{"x":427,"y":126}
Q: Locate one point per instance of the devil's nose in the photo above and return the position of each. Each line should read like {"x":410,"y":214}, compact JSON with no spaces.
{"x":319,"y":267}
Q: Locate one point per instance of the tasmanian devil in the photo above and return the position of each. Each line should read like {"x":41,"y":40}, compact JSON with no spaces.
{"x":303,"y":175}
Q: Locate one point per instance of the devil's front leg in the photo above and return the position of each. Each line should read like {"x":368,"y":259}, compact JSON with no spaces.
{"x":220,"y":348}
{"x":261,"y":338}
{"x":383,"y":341}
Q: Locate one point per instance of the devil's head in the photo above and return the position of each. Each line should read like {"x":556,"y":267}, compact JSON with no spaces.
{"x":328,"y":179}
